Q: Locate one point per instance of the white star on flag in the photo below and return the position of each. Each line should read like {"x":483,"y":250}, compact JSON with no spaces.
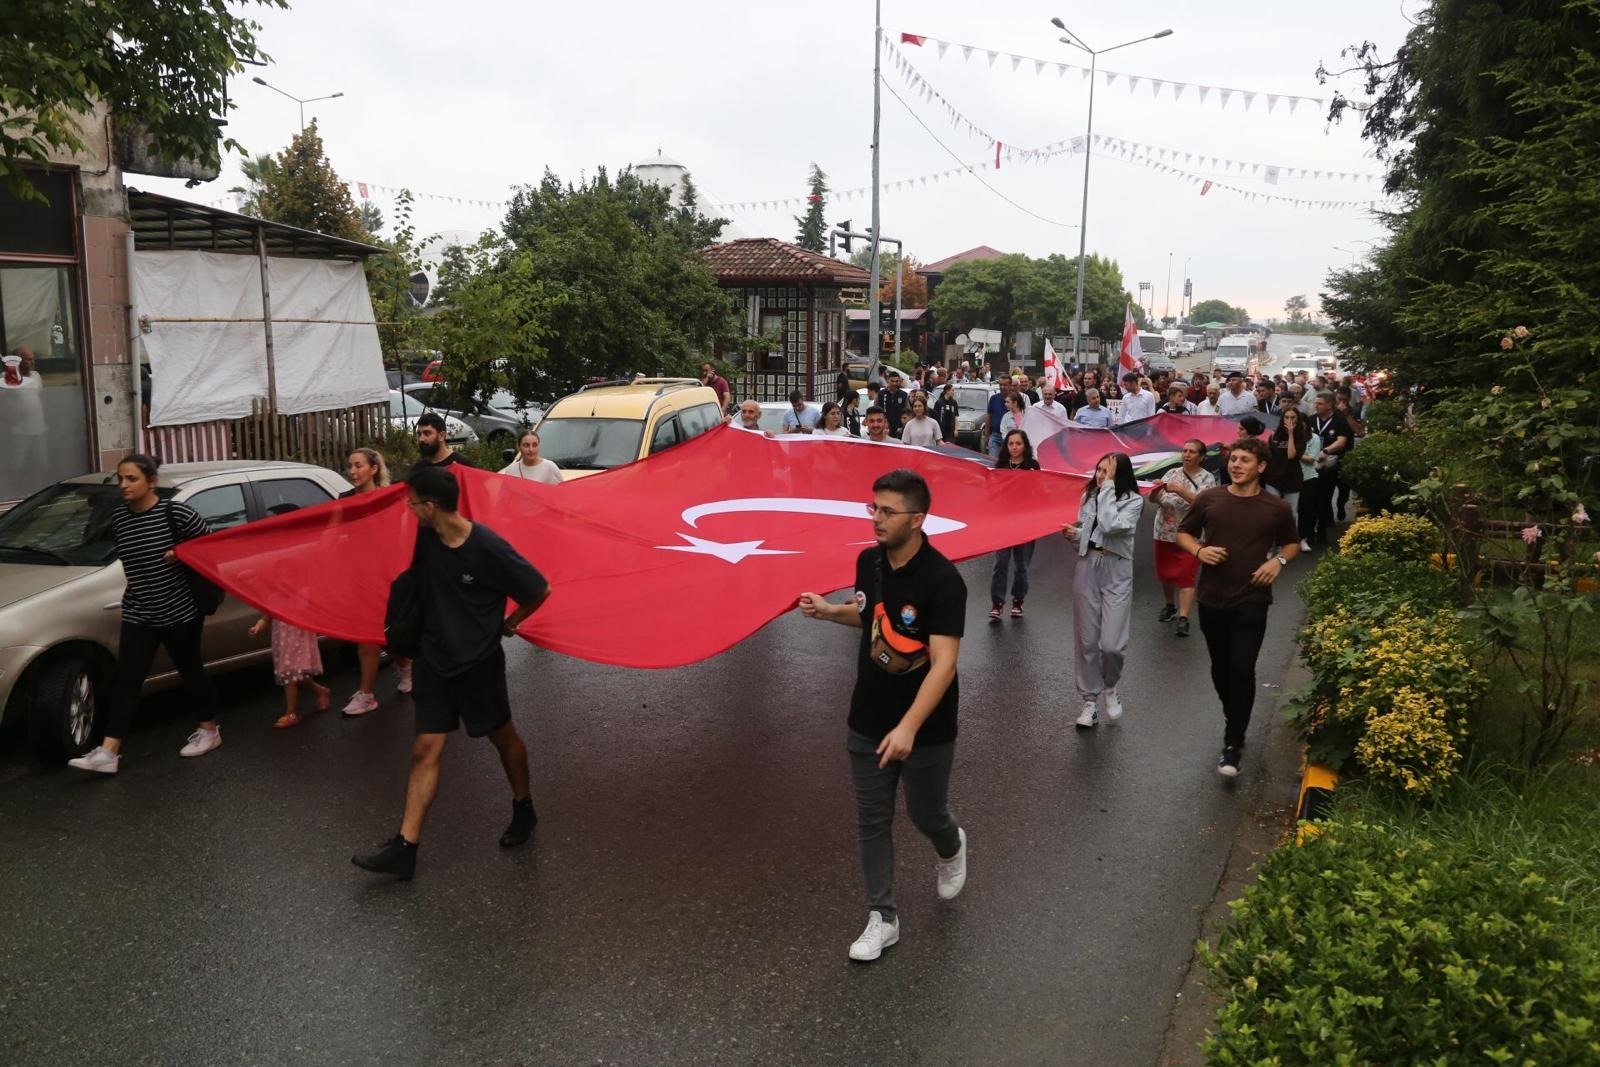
{"x":733,"y":552}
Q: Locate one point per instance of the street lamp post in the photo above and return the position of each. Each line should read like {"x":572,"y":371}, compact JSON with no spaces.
{"x":1166,"y":311}
{"x":1182,"y":314}
{"x":302,"y":101}
{"x":1075,"y":41}
{"x":1341,"y":248}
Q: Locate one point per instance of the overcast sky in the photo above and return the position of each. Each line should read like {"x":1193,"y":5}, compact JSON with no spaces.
{"x":468,"y":98}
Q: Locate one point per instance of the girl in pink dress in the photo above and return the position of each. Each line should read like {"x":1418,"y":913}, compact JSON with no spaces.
{"x":295,"y":659}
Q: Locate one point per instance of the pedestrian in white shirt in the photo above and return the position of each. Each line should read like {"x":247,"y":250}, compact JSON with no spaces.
{"x":1048,"y":402}
{"x":1235,"y":401}
{"x":1208,"y":406}
{"x":920,"y":429}
{"x":831,"y":422}
{"x":1137,"y":403}
{"x":529,"y":465}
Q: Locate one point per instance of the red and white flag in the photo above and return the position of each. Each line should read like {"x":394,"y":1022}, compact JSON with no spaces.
{"x":912,"y":38}
{"x":1206,"y":188}
{"x":634,"y":555}
{"x":363,"y":187}
{"x":1054,"y":373}
{"x":1128,"y":358}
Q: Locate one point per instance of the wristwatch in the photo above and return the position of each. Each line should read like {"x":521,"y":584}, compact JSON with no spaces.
{"x":1282,"y":562}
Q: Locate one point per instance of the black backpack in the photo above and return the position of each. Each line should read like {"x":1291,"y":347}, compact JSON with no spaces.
{"x":402,"y":618}
{"x":206,"y":593}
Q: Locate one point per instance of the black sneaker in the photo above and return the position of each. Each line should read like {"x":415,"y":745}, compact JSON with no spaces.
{"x":1183,"y":626}
{"x":522,"y":819}
{"x":1228,"y":765}
{"x":396,"y":857}
{"x":1168,"y":613}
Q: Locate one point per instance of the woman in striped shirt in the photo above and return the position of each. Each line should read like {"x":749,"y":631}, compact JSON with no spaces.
{"x":157,"y":611}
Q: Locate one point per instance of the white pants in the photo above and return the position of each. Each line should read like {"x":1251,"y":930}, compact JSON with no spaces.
{"x":1101,"y":602}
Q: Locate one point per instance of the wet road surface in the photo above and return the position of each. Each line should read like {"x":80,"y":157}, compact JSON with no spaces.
{"x":690,"y":890}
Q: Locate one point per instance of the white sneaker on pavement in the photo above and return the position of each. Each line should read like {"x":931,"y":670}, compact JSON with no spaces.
{"x":878,"y":936}
{"x":1086,"y":717}
{"x":405,"y":679}
{"x":951,"y":874}
{"x":1113,"y":706}
{"x":97,"y":759}
{"x":360,"y":704}
{"x":1305,"y":546}
{"x":201,"y":742}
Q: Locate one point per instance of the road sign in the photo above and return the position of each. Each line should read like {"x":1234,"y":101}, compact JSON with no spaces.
{"x":1078,"y":327}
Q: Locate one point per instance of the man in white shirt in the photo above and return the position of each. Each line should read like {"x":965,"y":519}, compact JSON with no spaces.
{"x":1048,"y":402}
{"x":1136,"y":403}
{"x":1208,"y":406}
{"x":1234,"y":401}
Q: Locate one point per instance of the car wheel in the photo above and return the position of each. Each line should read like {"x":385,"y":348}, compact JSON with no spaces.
{"x":67,"y":710}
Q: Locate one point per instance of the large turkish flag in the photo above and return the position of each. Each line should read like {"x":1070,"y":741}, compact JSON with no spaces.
{"x":656,"y":564}
{"x":1155,"y":444}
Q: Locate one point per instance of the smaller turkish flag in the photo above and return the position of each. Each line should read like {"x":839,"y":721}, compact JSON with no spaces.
{"x":997,"y":147}
{"x":363,"y":187}
{"x":1206,"y":188}
{"x":912,"y":38}
{"x":1130,"y":343}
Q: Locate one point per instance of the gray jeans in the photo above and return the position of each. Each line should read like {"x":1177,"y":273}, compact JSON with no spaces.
{"x":1102,"y":587}
{"x":926,"y":773}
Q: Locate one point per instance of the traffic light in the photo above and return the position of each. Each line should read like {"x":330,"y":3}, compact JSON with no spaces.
{"x":847,"y":237}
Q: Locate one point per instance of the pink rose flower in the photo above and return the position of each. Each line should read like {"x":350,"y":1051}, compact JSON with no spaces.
{"x":1507,"y":343}
{"x":1580,"y":515}
{"x":1521,"y":332}
{"x":1531,"y":534}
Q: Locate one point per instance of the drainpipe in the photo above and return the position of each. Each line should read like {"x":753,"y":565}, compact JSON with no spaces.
{"x":135,"y":344}
{"x":266,"y":323}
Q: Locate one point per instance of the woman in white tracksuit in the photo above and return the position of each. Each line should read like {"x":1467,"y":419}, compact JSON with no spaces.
{"x":1102,"y":583}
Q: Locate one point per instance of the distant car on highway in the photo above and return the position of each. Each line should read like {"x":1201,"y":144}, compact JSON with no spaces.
{"x":1328,"y":360}
{"x":1189,"y":344}
{"x":1234,"y":353}
{"x":61,"y":590}
{"x":1302,"y":364}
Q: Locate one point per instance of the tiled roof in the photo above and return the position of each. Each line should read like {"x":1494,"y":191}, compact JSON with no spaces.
{"x":767,"y":259}
{"x":981,"y":252}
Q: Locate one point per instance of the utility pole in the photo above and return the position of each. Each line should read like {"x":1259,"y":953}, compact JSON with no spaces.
{"x":873,"y":371}
{"x":1166,"y":312}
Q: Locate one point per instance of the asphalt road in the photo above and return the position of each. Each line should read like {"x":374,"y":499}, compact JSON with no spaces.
{"x":691,"y":888}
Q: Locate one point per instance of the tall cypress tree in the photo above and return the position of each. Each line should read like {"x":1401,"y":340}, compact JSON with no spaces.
{"x":813,"y":228}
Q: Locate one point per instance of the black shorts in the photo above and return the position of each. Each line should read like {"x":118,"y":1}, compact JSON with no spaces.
{"x":476,"y":697}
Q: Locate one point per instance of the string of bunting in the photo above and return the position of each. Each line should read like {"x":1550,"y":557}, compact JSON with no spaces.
{"x":1224,"y":94}
{"x":1272,"y":172}
{"x":1125,"y":151}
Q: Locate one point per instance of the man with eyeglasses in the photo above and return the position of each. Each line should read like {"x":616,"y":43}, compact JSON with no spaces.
{"x":910,"y":605}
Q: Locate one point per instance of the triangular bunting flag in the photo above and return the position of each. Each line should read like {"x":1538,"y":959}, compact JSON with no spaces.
{"x":1202,"y":90}
{"x":1133,"y":83}
{"x":1272,"y":102}
{"x":1038,"y":68}
{"x":1015,"y":60}
{"x":1177,"y":92}
{"x":992,"y":57}
{"x":1155,"y":90}
{"x":942,"y":46}
{"x":1294,"y":101}
{"x":1111,"y":78}
{"x":966,"y":51}
{"x":1249,"y":98}
{"x":1225,"y":94}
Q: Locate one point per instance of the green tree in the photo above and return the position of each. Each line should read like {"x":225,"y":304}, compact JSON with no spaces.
{"x":1015,"y":293}
{"x":622,"y":285}
{"x":1295,"y":308}
{"x":494,"y":325}
{"x":302,"y":189}
{"x":370,"y":216}
{"x":163,"y":63}
{"x":1488,"y":126}
{"x":402,"y":328}
{"x":1214,"y":311}
{"x":258,"y":172}
{"x":813,"y":235}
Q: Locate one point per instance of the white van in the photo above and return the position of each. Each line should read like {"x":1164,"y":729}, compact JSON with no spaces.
{"x":1236,"y":353}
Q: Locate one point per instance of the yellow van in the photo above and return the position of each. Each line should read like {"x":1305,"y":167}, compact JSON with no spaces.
{"x":607,"y":424}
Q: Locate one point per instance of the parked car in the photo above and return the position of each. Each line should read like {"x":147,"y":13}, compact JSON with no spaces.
{"x":1160,"y":361}
{"x":61,"y":590}
{"x":972,"y":402}
{"x":608,"y":424}
{"x":405,"y":409}
{"x":498,"y":421}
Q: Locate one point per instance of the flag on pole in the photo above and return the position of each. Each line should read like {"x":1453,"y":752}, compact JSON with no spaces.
{"x":1128,"y":359}
{"x":1054,"y":374}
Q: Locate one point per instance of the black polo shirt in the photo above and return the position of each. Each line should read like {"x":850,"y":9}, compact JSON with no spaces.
{"x":893,"y":402}
{"x":924,"y":598}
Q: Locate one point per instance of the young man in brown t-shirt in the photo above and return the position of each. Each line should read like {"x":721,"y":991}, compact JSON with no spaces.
{"x":1243,"y":539}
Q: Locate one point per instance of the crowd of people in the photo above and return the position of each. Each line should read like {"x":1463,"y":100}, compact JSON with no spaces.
{"x":1219,"y":543}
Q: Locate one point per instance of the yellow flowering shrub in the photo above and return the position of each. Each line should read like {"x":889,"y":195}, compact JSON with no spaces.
{"x":1398,"y":537}
{"x":1409,"y":743}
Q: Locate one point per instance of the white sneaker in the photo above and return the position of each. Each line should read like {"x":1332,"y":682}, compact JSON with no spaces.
{"x":405,"y":679}
{"x":951,"y":874}
{"x":1113,"y":706}
{"x":201,"y":742}
{"x":878,"y":936}
{"x":360,"y":704}
{"x":97,"y":759}
{"x":1305,"y":546}
{"x":1086,"y":717}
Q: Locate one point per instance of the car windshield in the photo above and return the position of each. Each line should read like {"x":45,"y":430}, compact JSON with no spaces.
{"x":69,"y":522}
{"x":772,"y":418}
{"x":590,"y":444}
{"x":972,"y":399}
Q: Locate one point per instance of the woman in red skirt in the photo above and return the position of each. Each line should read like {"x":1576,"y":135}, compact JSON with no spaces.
{"x":1175,"y":568}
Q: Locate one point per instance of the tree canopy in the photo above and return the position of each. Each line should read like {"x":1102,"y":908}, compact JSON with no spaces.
{"x":1489,"y":126}
{"x":302,"y":189}
{"x":813,"y":235}
{"x":162,"y":62}
{"x":1016,"y":292}
{"x":1217,"y":311}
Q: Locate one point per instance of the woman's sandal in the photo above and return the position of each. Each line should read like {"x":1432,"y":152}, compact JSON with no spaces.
{"x":286,"y":720}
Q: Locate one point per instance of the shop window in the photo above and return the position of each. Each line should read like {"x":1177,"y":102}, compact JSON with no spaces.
{"x":43,"y":431}
{"x":35,"y":228}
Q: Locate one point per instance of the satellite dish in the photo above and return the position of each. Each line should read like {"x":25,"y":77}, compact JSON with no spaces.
{"x":961,"y":339}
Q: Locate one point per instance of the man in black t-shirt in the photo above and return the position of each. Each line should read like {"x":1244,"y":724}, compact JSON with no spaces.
{"x":432,"y":445}
{"x":910,"y":605}
{"x":1334,"y":430}
{"x":465,"y":574}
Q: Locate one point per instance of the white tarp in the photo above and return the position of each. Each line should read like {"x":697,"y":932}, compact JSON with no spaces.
{"x":201,"y":371}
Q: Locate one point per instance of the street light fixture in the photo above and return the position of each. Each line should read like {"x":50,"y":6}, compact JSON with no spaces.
{"x":1070,"y":38}
{"x":1341,"y":248}
{"x":302,"y":101}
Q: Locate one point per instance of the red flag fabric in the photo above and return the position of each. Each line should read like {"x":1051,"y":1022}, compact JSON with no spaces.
{"x":659,"y":563}
{"x":1153,"y":444}
{"x":362,"y":186}
{"x":1128,"y":359}
{"x":997,"y":147}
{"x":1206,"y":188}
{"x":912,"y":38}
